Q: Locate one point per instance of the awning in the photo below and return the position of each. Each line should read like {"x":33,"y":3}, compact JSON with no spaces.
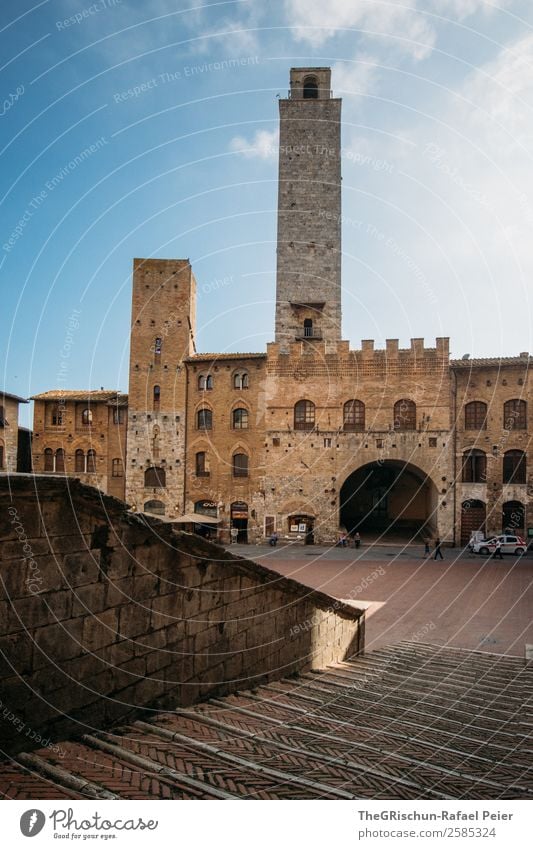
{"x":198,"y":518}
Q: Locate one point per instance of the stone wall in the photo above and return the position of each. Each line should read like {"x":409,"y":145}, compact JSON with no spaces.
{"x":103,"y":614}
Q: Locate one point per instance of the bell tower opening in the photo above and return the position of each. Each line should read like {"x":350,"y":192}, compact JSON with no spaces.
{"x":310,"y":88}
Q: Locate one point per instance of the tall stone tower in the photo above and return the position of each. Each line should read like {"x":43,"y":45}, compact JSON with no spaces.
{"x":162,"y":331}
{"x":308,"y":294}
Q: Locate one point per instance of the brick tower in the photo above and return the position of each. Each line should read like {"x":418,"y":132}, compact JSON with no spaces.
{"x":308,"y":296}
{"x":163,"y":325}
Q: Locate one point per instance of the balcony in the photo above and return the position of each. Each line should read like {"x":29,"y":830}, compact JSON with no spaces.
{"x":307,"y":334}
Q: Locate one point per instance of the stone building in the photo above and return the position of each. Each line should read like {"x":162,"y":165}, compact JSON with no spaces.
{"x":13,"y":439}
{"x":310,"y":436}
{"x":82,"y":434}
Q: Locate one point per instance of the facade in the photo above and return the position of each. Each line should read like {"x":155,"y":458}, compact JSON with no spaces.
{"x":310,"y":436}
{"x":13,"y":439}
{"x":82,"y":434}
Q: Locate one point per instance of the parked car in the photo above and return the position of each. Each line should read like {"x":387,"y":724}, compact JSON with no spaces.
{"x":511,"y":544}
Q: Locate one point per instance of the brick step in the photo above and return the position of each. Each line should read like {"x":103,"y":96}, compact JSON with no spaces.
{"x":344,"y":768}
{"x":19,"y":782}
{"x":427,"y":705}
{"x":483,"y":674}
{"x":464,"y":657}
{"x":490,"y":675}
{"x":460,"y":735}
{"x":423,"y":687}
{"x":234,"y":773}
{"x":337,"y":736}
{"x":394,"y":727}
{"x":110,"y":776}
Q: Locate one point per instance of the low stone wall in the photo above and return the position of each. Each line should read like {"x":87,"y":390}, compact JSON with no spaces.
{"x":104,"y":613}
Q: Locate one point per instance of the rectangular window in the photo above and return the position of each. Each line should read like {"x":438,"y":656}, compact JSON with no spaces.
{"x":118,"y":415}
{"x":327,"y":443}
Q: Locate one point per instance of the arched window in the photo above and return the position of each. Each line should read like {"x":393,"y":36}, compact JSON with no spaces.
{"x":117,"y":468}
{"x":240,"y":418}
{"x":405,"y":415}
{"x":204,"y":419}
{"x":91,"y":461}
{"x":60,"y":460}
{"x":201,"y":466}
{"x":157,"y":397}
{"x":476,"y":415}
{"x":87,"y":417}
{"x":1,"y":455}
{"x":240,"y":465}
{"x":354,"y":415}
{"x":155,"y":507}
{"x":514,"y":467}
{"x":48,"y":460}
{"x":79,"y":461}
{"x":205,"y":382}
{"x":155,"y":477}
{"x":310,"y":88}
{"x":515,"y":414}
{"x":304,"y":415}
{"x":474,"y":466}
{"x":240,"y":380}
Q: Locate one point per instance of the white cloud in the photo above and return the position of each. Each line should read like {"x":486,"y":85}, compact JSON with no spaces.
{"x":411,"y":31}
{"x":264,"y":145}
{"x":357,"y":76}
{"x":462,"y":9}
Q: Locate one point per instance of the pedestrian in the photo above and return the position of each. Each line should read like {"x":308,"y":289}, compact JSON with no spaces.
{"x":497,"y":549}
{"x":427,"y":550}
{"x":356,"y":540}
{"x":234,"y":533}
{"x":273,"y":539}
{"x":438,"y":552}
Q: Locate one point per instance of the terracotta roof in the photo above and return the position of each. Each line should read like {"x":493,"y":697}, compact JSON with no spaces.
{"x":79,"y":395}
{"x":490,"y":361}
{"x":201,"y":357}
{"x":14,"y":397}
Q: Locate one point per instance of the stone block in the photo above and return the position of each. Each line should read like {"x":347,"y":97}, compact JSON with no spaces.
{"x":82,"y":567}
{"x":37,"y":610}
{"x":56,"y":643}
{"x":118,"y":591}
{"x":88,"y":599}
{"x":134,"y":620}
{"x":100,"y":630}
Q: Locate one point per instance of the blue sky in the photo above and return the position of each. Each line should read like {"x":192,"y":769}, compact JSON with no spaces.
{"x":128,"y":132}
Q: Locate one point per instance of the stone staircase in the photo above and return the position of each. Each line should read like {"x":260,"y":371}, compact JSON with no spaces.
{"x":409,"y":721}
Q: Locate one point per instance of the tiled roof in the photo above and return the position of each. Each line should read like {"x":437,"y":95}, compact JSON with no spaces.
{"x":201,"y":357}
{"x":80,"y":395}
{"x":14,"y":397}
{"x":490,"y":361}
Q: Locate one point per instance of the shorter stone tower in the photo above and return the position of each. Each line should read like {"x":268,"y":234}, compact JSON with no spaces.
{"x":162,"y":333}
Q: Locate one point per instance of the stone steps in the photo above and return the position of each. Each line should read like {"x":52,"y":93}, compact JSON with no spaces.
{"x":409,"y":721}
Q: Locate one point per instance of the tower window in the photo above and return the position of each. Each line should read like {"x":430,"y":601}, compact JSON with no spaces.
{"x":87,"y":417}
{"x":59,"y":460}
{"x":91,"y":461}
{"x":354,"y":416}
{"x":304,"y":415}
{"x":514,"y":467}
{"x":79,"y":461}
{"x":204,"y":419}
{"x":158,"y":344}
{"x":201,"y":466}
{"x":57,"y":415}
{"x":157,"y":397}
{"x":240,"y":419}
{"x":240,"y":380}
{"x":205,"y":382}
{"x":117,"y":468}
{"x":48,"y":460}
{"x":476,"y":416}
{"x":240,"y":465}
{"x":310,"y":88}
{"x":474,"y":466}
{"x":405,"y":415}
{"x":515,"y":414}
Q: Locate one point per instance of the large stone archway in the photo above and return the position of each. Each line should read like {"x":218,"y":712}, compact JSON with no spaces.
{"x":390,"y":499}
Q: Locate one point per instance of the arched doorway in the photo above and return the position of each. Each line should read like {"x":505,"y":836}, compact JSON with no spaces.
{"x":473,"y":518}
{"x":514,"y":518}
{"x":239,"y":520}
{"x":389,"y":499}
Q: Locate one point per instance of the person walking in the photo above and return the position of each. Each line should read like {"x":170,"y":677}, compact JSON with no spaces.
{"x":356,"y":540}
{"x":497,"y":550}
{"x":234,"y":533}
{"x":438,"y":552}
{"x":427,"y":550}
